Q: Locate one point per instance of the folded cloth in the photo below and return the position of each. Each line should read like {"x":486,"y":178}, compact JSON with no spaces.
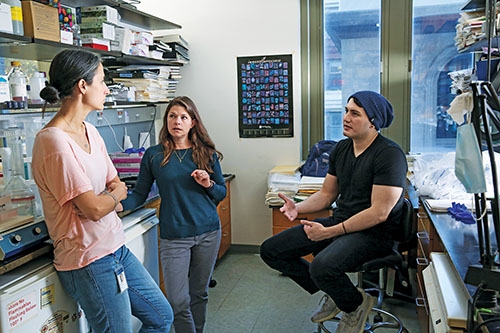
{"x":460,"y":213}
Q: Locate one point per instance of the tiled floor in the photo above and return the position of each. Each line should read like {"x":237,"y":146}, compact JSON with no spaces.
{"x":250,"y":297}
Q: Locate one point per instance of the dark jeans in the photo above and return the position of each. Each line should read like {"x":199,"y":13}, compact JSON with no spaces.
{"x":332,"y":259}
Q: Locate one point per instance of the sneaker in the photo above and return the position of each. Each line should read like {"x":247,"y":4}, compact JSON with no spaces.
{"x":326,"y":311}
{"x":354,"y":322}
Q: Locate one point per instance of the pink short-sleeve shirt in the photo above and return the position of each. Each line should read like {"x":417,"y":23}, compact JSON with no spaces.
{"x":63,"y":171}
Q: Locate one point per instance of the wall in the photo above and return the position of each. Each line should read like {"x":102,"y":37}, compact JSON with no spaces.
{"x":218,"y":32}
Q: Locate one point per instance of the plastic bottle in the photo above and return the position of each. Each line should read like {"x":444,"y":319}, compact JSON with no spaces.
{"x":37,"y":83}
{"x":17,"y":16}
{"x":17,"y":83}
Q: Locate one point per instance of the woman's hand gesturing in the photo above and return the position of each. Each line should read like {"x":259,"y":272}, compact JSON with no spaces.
{"x":201,"y":177}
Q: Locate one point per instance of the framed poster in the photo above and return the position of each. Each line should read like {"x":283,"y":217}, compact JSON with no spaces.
{"x":265,"y":96}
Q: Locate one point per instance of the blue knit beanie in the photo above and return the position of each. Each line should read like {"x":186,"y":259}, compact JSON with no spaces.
{"x":377,"y":108}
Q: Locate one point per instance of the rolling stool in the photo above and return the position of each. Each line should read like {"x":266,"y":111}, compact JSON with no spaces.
{"x":392,"y":263}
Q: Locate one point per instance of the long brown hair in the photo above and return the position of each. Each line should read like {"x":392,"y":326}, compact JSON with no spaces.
{"x":203,"y":146}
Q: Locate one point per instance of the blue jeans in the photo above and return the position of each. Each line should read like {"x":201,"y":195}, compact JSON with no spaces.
{"x":333,"y":257}
{"x":95,"y":288}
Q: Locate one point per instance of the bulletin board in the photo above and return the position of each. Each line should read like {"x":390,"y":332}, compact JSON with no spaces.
{"x":265,"y":96}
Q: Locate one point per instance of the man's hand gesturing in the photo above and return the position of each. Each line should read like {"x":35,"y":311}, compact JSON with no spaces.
{"x":289,"y":209}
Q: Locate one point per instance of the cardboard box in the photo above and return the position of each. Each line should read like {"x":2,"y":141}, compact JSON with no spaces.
{"x":40,"y":21}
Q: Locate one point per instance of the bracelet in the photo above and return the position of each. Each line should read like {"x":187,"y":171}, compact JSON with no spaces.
{"x":211,"y":184}
{"x":343,"y":227}
{"x":113,"y":196}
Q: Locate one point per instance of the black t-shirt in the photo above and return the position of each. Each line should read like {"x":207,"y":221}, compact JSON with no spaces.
{"x":382,"y":163}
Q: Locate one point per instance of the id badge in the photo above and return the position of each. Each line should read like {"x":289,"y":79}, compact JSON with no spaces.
{"x":122,"y":280}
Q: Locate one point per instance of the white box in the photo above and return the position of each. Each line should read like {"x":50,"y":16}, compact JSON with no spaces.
{"x":140,"y":50}
{"x":5,"y":18}
{"x":143,"y":37}
{"x":122,"y":42}
{"x":4,"y":89}
{"x":106,"y":13}
{"x":67,"y":37}
{"x":96,"y":41}
{"x":98,"y":30}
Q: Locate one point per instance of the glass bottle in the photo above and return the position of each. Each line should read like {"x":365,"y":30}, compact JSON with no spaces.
{"x":21,"y":195}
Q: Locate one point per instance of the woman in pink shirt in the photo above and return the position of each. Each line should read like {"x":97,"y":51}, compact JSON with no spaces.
{"x":81,"y":194}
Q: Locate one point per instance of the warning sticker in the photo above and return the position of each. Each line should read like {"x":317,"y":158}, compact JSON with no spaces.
{"x":55,"y":323}
{"x":47,"y":296}
{"x":22,"y":309}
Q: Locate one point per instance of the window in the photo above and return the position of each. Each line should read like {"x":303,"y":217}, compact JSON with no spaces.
{"x":434,"y":55}
{"x":351,"y":56}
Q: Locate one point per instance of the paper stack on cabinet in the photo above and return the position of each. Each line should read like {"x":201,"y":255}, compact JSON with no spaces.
{"x":308,"y":186}
{"x":282,"y":179}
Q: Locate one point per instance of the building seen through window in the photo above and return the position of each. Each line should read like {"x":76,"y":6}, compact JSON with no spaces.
{"x":352,"y":62}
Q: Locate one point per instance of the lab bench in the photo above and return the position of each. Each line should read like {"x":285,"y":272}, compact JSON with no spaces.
{"x":441,"y":233}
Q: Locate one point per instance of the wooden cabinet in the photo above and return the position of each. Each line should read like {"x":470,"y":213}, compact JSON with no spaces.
{"x":224,"y":211}
{"x":428,"y":241}
{"x":281,"y":223}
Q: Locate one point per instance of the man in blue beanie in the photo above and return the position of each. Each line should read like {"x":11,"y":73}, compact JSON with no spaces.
{"x":366,"y":179}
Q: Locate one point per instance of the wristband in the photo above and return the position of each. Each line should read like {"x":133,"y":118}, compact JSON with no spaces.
{"x":343,"y":227}
{"x":211,"y":184}
{"x":111,"y":195}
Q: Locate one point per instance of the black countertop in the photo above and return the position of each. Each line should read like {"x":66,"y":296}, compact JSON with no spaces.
{"x":460,"y":241}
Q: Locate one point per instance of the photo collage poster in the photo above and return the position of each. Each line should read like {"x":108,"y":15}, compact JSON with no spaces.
{"x":265,"y":96}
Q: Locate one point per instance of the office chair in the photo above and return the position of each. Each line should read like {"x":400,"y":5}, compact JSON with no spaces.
{"x":393,"y":263}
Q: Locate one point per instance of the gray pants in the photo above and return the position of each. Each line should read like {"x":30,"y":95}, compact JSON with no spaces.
{"x":187,"y":265}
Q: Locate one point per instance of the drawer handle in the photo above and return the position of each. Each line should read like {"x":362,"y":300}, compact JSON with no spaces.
{"x":225,"y":234}
{"x":422,"y":235}
{"x":422,"y":215}
{"x":422,"y":261}
{"x":223,"y":207}
{"x":421,"y":303}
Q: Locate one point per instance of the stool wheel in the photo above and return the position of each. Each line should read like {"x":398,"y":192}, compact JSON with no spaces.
{"x":378,"y":318}
{"x":212,"y":283}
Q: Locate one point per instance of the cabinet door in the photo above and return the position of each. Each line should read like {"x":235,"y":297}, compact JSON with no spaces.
{"x":224,"y":208}
{"x":224,"y":211}
{"x":225,"y":241}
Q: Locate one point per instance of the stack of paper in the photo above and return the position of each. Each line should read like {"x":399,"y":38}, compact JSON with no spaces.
{"x":179,"y":48}
{"x":151,"y":83}
{"x":282,"y":179}
{"x":461,"y":80}
{"x":308,"y":186}
{"x":272,"y":198}
{"x":470,"y":28}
